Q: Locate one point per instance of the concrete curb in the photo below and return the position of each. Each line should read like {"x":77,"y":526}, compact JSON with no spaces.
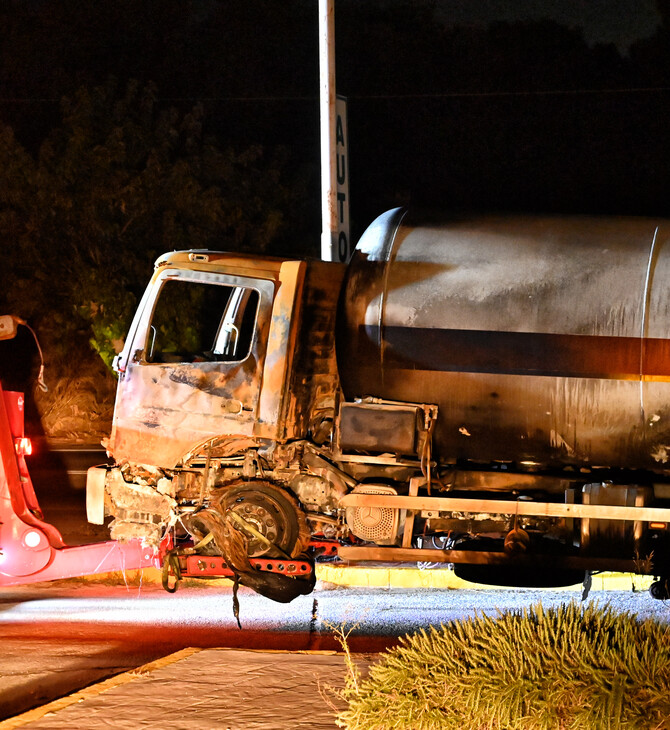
{"x":364,"y":576}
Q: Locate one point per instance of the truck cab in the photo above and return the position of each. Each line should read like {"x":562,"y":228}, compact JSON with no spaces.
{"x":207,"y":356}
{"x":228,"y":363}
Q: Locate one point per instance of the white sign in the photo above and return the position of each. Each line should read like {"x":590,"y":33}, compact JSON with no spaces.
{"x":342,"y":167}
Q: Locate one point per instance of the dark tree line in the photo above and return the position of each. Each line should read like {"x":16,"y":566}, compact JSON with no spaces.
{"x":523,"y":115}
{"x":116,"y":183}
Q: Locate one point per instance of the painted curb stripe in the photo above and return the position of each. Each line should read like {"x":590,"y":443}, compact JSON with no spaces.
{"x":392,"y":577}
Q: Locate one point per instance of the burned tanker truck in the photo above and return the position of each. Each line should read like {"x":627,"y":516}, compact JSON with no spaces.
{"x":492,"y":392}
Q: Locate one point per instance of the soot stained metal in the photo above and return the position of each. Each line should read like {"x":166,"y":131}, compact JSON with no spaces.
{"x":488,"y":391}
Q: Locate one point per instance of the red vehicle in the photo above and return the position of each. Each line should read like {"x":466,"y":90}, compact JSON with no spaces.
{"x":31,"y":549}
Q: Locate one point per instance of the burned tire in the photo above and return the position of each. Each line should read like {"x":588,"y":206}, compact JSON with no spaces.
{"x":269,"y":512}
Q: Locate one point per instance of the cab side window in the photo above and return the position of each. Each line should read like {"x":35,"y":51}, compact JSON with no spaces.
{"x":195,"y":321}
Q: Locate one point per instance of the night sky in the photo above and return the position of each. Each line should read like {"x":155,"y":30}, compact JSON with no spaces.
{"x":602,"y":21}
{"x":494,"y":104}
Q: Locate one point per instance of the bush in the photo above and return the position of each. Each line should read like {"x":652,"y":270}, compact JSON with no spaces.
{"x":563,"y":667}
{"x":119,"y":181}
{"x":78,"y":406}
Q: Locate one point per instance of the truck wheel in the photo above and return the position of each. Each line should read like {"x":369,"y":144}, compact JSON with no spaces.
{"x":268,"y":511}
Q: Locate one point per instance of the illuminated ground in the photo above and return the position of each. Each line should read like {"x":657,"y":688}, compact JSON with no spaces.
{"x":55,"y":639}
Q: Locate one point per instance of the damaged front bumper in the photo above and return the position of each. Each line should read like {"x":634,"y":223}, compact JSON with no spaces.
{"x":140,"y":511}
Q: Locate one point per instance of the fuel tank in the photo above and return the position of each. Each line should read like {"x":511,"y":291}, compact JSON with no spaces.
{"x":543,"y":341}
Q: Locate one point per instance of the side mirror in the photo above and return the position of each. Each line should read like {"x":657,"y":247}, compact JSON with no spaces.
{"x":8,"y":325}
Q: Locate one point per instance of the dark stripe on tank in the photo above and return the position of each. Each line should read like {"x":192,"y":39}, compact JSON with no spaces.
{"x":522,"y":353}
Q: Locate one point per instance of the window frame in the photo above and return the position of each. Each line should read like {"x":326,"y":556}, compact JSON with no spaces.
{"x":142,"y":337}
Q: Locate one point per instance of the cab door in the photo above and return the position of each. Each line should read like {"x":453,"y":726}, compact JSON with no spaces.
{"x":192,"y":369}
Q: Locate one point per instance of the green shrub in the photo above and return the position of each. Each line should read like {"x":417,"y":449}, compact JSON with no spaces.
{"x":563,"y":667}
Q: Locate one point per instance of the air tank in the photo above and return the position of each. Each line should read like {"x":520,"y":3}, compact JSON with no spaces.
{"x":544,"y":341}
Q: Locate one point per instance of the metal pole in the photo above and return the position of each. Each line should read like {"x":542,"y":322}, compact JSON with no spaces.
{"x":329,"y":224}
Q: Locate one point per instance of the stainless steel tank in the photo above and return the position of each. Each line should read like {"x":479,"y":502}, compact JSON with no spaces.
{"x":542,"y":340}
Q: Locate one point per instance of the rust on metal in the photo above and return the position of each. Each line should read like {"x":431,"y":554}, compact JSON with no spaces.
{"x":163,"y":410}
{"x":280,"y":349}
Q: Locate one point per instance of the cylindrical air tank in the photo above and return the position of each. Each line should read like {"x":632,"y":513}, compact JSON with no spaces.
{"x":542,"y":340}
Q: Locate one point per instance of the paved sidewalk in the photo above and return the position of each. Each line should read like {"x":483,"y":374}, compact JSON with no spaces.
{"x":222,"y":689}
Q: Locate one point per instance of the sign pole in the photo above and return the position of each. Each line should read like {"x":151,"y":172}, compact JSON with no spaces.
{"x":328,"y":130}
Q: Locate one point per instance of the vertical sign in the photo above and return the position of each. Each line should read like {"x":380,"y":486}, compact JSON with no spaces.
{"x":342,"y":170}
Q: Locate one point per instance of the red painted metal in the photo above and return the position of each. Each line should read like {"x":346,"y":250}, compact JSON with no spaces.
{"x":70,"y":562}
{"x":324,"y":547}
{"x":210,"y":565}
{"x":31,"y":549}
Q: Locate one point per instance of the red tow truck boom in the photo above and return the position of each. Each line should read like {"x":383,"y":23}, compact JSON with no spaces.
{"x":32,"y":550}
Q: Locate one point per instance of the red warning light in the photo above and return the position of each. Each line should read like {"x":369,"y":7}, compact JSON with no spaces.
{"x":23,"y":446}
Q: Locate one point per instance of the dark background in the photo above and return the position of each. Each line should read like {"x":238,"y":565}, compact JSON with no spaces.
{"x":130,"y":127}
{"x":519,"y":114}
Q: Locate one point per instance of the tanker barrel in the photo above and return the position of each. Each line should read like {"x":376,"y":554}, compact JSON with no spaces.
{"x":542,"y":340}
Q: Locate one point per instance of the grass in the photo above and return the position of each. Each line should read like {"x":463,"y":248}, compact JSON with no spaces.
{"x":561,"y":668}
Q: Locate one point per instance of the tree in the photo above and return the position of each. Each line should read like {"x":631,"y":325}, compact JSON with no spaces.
{"x":118,"y":182}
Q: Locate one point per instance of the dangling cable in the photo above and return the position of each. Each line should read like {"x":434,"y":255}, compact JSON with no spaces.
{"x":236,"y":601}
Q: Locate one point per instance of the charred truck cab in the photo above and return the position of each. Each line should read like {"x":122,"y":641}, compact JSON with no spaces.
{"x":490,"y":392}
